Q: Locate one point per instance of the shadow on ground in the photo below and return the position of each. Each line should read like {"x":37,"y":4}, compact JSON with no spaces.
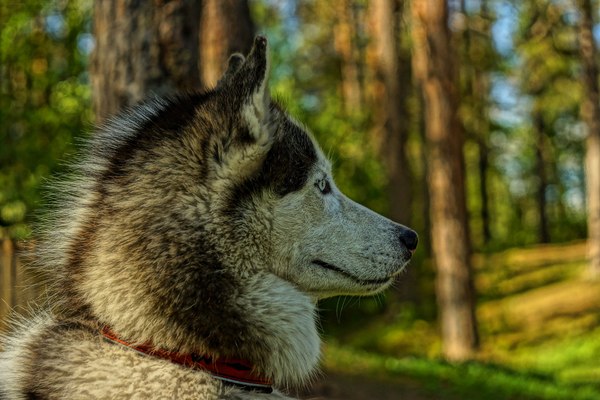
{"x":336,"y":386}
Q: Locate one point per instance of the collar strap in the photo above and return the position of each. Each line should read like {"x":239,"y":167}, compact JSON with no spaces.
{"x":228,"y":370}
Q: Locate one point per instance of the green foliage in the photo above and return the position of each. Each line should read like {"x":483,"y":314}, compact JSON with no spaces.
{"x":44,"y":99}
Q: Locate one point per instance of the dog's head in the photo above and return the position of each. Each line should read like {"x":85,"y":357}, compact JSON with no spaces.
{"x":282,"y":202}
{"x":227,"y":181}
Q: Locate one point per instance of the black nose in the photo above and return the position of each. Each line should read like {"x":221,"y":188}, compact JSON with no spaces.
{"x":409,"y":238}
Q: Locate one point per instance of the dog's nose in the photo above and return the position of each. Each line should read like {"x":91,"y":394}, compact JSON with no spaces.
{"x":409,"y":238}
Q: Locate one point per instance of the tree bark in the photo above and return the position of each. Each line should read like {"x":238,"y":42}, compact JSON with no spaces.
{"x":345,"y":45}
{"x":434,"y":68}
{"x":481,"y":87}
{"x":591,"y":114}
{"x":390,"y":90}
{"x":141,"y":48}
{"x":226,"y":28}
{"x":7,"y":281}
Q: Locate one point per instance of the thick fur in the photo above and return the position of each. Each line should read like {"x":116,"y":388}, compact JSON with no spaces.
{"x":204,"y":223}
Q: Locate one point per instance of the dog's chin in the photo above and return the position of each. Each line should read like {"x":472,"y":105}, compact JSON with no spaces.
{"x":350,"y":290}
{"x":372,"y":290}
{"x":347,"y":283}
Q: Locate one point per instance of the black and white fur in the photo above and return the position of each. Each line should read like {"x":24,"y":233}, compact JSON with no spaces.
{"x":205,"y":223}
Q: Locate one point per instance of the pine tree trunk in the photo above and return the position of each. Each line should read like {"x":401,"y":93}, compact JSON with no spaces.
{"x":424,"y":189}
{"x":483,"y":166}
{"x":481,"y":87}
{"x":434,"y":68}
{"x":390,"y":90}
{"x":591,"y":115}
{"x":540,"y":157}
{"x":347,"y":48}
{"x":480,"y":93}
{"x":226,"y":28}
{"x":142,"y":48}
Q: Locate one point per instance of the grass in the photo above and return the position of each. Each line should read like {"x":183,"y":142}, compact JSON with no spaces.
{"x":539,"y":320}
{"x":474,"y":380}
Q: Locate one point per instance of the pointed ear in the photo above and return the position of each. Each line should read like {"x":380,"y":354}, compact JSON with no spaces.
{"x":244,"y":87}
{"x":251,"y":79}
{"x":255,"y":71}
{"x":233,"y":66}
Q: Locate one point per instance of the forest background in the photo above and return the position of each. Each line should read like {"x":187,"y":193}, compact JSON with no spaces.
{"x":475,"y":122}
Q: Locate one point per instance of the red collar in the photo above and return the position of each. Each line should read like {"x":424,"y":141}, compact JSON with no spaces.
{"x":233,"y":371}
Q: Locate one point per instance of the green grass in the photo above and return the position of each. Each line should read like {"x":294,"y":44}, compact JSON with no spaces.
{"x":472,"y":380}
{"x":539,"y":321}
{"x":571,"y":360}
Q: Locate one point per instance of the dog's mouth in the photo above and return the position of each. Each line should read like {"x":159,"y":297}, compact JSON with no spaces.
{"x":360,"y":281}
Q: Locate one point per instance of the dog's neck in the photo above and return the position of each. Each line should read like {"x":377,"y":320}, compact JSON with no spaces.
{"x":268,"y":322}
{"x":234,"y":372}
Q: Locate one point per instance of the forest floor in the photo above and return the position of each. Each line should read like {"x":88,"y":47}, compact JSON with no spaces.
{"x":338,"y":386}
{"x":539,"y":321}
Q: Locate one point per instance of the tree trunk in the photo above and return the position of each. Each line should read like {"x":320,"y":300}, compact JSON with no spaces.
{"x":424,"y":190}
{"x":481,"y":131}
{"x":141,"y":48}
{"x":346,"y":46}
{"x":591,"y":115}
{"x":226,"y":28}
{"x":434,"y":68}
{"x":540,"y":156}
{"x":390,"y":90}
{"x":7,"y":281}
{"x":481,"y":87}
{"x":475,"y":91}
{"x":483,"y":166}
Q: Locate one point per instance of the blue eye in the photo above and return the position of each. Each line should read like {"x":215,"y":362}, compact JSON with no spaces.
{"x":323,"y":186}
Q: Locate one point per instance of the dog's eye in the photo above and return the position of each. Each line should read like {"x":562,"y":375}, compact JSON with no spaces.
{"x":323,"y":186}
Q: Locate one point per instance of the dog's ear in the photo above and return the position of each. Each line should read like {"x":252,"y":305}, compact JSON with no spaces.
{"x":244,"y":86}
{"x":255,"y":73}
{"x":245,"y":80}
{"x":233,"y":66}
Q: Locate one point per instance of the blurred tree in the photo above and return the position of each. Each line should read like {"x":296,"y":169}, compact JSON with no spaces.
{"x":590,"y":111}
{"x":225,"y":28}
{"x":346,"y":35}
{"x":541,"y":161}
{"x":160,"y":47}
{"x":391,"y":88}
{"x":434,"y":61}
{"x":143,"y":48}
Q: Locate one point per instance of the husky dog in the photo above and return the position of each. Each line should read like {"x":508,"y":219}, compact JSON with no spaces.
{"x":192,"y":246}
